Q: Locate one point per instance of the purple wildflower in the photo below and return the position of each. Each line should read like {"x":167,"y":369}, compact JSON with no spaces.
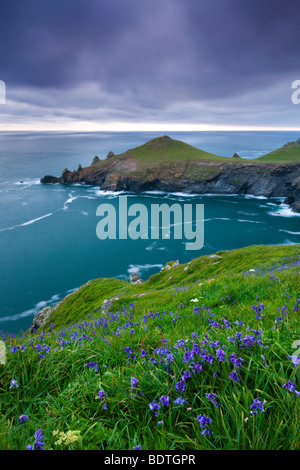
{"x":134,"y":382}
{"x":102,"y":394}
{"x":257,"y":405}
{"x":204,"y":421}
{"x":234,"y":376}
{"x":213,"y":398}
{"x":179,"y":401}
{"x":23,"y":418}
{"x":220,"y":353}
{"x":38,"y":444}
{"x":154,"y":406}
{"x":143,"y":353}
{"x":180,"y":386}
{"x":165,"y":400}
{"x":92,"y":365}
{"x":291,"y":386}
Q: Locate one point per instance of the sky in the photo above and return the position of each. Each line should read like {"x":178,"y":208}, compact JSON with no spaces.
{"x":130,"y":65}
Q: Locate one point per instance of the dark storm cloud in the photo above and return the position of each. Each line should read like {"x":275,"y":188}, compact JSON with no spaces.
{"x":147,"y":54}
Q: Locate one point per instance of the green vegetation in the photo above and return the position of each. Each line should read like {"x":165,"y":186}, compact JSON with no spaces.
{"x":165,"y":149}
{"x":288,"y":153}
{"x":219,"y":330}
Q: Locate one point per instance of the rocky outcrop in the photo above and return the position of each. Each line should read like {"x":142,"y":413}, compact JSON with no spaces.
{"x":135,"y":279}
{"x":96,"y":160}
{"x":295,"y":190}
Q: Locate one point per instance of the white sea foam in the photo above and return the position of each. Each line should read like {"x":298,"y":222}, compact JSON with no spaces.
{"x":289,"y":231}
{"x":154,"y":246}
{"x":252,"y":196}
{"x":250,"y":221}
{"x":216,"y":218}
{"x":182,"y":194}
{"x":28,"y":182}
{"x":32,"y":311}
{"x":100,"y":192}
{"x":284,"y":211}
{"x":29,"y":222}
{"x":154,"y":192}
{"x":135,"y":268}
{"x":69,"y":201}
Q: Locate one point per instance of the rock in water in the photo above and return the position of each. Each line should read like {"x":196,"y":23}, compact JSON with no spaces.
{"x":48,"y":179}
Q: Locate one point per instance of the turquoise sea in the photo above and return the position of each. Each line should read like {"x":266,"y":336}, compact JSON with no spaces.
{"x":48,"y":242}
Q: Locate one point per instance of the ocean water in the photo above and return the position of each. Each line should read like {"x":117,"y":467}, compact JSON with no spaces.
{"x":48,"y":242}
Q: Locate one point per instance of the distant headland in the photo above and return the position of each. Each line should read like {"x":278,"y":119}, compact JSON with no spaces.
{"x":165,"y":164}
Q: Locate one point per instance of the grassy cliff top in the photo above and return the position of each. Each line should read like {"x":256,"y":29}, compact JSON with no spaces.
{"x":197,"y":357}
{"x":165,"y":149}
{"x":288,"y":153}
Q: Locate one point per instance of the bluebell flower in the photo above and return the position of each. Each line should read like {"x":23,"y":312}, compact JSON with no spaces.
{"x":154,"y":406}
{"x":213,"y":398}
{"x":102,"y":394}
{"x":204,"y":421}
{"x":138,"y":447}
{"x":237,"y":361}
{"x":165,"y":400}
{"x":186,"y":374}
{"x":179,"y":401}
{"x":143,"y":353}
{"x":134,"y":382}
{"x":23,"y":418}
{"x":92,"y":365}
{"x":220,"y":353}
{"x":257,"y":405}
{"x":198,"y":367}
{"x":38,"y":444}
{"x":180,"y":386}
{"x":13,"y":383}
{"x":291,"y":386}
{"x":234,"y":376}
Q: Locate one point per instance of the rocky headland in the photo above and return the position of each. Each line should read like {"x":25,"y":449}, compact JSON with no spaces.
{"x":164,"y":164}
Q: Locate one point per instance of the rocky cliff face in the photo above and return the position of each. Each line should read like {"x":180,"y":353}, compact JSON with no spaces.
{"x":205,"y":176}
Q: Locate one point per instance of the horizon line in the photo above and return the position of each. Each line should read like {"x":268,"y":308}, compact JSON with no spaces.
{"x":138,"y":127}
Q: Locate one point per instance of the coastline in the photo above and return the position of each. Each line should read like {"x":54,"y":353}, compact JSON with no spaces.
{"x":263,"y":179}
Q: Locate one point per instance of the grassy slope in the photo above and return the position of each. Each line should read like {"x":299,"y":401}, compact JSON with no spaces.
{"x":287,"y":153}
{"x":164,"y":149}
{"x":59,"y":392}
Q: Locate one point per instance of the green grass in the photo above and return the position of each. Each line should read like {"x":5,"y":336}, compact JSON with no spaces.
{"x":287,"y":153}
{"x":60,"y":393}
{"x":164,"y":149}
